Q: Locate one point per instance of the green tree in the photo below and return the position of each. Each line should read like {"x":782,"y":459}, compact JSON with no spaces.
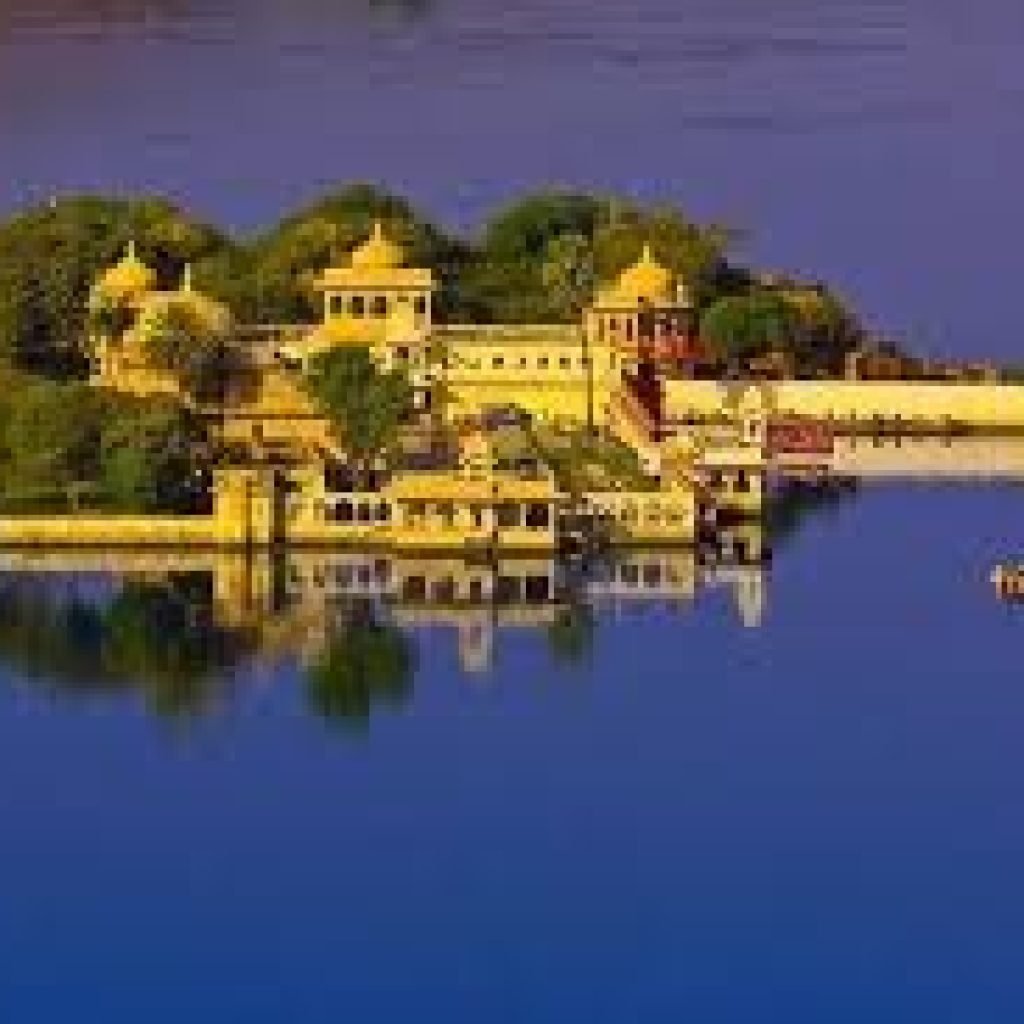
{"x":568,"y":273}
{"x":504,"y":281}
{"x":695,"y":254}
{"x":366,"y":663}
{"x":50,"y":445}
{"x":365,"y":404}
{"x":743,"y":326}
{"x":51,"y":255}
{"x":287,"y":259}
{"x":149,"y":456}
{"x":524,"y":229}
{"x":191,"y":338}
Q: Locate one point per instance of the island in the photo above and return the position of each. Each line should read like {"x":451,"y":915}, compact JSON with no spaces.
{"x":588,"y":373}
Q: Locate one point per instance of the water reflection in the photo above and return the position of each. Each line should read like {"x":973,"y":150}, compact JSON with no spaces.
{"x":179,"y":628}
{"x":157,"y":635}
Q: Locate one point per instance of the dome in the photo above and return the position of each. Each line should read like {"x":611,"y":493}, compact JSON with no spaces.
{"x":646,"y":279}
{"x":128,"y":279}
{"x":377,"y":252}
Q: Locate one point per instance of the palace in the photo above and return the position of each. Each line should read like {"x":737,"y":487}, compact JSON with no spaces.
{"x":511,"y":402}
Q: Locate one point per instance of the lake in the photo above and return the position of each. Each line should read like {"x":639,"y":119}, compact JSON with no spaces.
{"x":727,"y":793}
{"x":658,"y":790}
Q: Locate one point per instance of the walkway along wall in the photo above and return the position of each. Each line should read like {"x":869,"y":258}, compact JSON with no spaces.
{"x":855,"y":405}
{"x":245,"y":515}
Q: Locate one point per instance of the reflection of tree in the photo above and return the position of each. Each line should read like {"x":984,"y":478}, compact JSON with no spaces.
{"x":167,"y":638}
{"x":365,"y":663}
{"x":794,"y":500}
{"x":159,"y":638}
{"x":571,"y":634}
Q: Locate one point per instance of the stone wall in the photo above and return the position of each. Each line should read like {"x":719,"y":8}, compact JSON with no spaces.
{"x":857,"y":404}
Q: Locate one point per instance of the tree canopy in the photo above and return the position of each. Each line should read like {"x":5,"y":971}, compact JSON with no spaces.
{"x":63,"y":444}
{"x":537,"y":259}
{"x":50,"y":256}
{"x":365,"y":403}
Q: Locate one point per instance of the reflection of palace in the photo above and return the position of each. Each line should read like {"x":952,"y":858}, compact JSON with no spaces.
{"x":294,"y":599}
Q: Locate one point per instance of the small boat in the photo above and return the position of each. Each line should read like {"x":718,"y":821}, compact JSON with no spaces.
{"x":1008,"y":579}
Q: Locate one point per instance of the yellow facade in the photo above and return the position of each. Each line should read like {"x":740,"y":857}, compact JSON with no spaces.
{"x":860,"y":405}
{"x":564,"y":375}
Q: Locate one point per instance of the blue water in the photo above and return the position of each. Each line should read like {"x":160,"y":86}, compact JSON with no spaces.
{"x":815,"y":819}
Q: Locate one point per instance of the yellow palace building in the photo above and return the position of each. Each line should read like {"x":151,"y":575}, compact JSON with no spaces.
{"x":561,"y":376}
{"x":553,"y":372}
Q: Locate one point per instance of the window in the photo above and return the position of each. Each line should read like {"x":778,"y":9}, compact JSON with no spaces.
{"x":613,"y":324}
{"x":537,"y":588}
{"x":402,"y":353}
{"x":543,"y":362}
{"x":357,"y":307}
{"x":415,"y":588}
{"x":420,"y":306}
{"x":383,"y":512}
{"x":537,"y":516}
{"x":336,"y":305}
{"x":585,"y":362}
{"x":565,"y":363}
{"x":364,"y":513}
{"x":498,"y":362}
{"x":379,"y":308}
{"x":522,"y":362}
{"x":742,"y":482}
{"x":343,"y":512}
{"x":507,"y":515}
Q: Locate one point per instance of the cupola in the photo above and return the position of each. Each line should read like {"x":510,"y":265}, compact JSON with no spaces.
{"x":378,"y":252}
{"x":646,"y":279}
{"x":127,"y":280}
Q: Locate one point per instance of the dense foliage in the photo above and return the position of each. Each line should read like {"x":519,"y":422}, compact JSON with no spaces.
{"x":535,"y":260}
{"x":51,"y":255}
{"x":64,"y":445}
{"x":365,"y":403}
